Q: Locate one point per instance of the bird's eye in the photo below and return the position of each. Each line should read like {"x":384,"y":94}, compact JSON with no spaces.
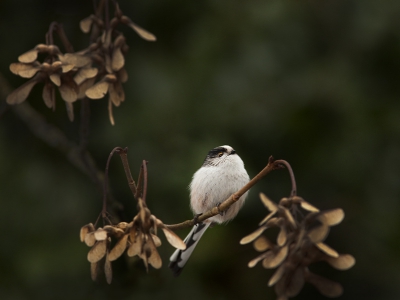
{"x":220,"y":154}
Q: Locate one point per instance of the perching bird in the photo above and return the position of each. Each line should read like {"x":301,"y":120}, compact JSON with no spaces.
{"x":221,"y":175}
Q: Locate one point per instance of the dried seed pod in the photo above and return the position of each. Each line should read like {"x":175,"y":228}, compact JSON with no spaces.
{"x":85,"y":230}
{"x":327,"y":250}
{"x":173,"y":239}
{"x":262,"y":244}
{"x":252,"y":236}
{"x":318,"y":233}
{"x":108,"y":269}
{"x":342,"y":262}
{"x":275,"y":258}
{"x":331,"y":217}
{"x":90,"y":239}
{"x":325,"y":286}
{"x":119,"y":248}
{"x":97,"y":252}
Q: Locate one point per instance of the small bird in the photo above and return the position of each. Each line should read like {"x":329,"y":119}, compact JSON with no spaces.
{"x":221,"y":175}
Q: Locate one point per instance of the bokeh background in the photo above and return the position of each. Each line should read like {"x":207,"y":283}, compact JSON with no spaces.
{"x":314,"y":82}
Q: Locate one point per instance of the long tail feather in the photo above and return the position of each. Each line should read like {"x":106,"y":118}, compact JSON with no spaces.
{"x":180,"y":257}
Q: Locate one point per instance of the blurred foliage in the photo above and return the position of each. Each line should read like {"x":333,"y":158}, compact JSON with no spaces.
{"x":313,"y":82}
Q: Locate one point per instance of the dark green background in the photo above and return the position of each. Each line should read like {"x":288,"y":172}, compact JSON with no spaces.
{"x":312,"y":82}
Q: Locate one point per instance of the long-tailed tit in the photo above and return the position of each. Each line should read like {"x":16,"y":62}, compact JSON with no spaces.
{"x":221,"y":175}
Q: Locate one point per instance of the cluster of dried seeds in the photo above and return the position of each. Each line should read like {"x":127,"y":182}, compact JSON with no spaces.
{"x":137,"y":238}
{"x":299,"y":243}
{"x":92,"y":72}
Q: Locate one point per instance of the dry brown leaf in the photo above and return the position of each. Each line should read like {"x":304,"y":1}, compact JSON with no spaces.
{"x":20,"y":94}
{"x":116,"y":92}
{"x":173,"y":239}
{"x":275,"y":258}
{"x":97,"y":252}
{"x":119,"y":248}
{"x":327,"y":250}
{"x":343,"y":262}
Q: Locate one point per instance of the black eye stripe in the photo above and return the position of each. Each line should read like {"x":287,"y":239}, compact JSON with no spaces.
{"x":214,"y":152}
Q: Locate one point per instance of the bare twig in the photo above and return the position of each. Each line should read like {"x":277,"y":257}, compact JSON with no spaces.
{"x":124,"y":157}
{"x":292,"y":179}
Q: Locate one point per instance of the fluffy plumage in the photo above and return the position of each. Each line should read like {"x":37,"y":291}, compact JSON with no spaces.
{"x":221,"y":175}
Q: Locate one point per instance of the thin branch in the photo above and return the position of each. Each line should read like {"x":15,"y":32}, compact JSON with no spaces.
{"x":144,"y":167}
{"x":124,"y":157}
{"x":105,"y":185}
{"x":292,"y":179}
{"x":272,"y":165}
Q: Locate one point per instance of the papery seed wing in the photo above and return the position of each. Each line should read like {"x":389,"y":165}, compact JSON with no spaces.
{"x":327,"y":250}
{"x":343,"y":262}
{"x":173,"y":239}
{"x":119,"y":248}
{"x":252,"y":236}
{"x":276,"y":258}
{"x":85,"y":230}
{"x":29,"y":56}
{"x":97,"y":252}
{"x":20,"y":94}
{"x":325,"y":286}
{"x":271,"y":206}
{"x":331,"y":217}
{"x":318,"y":233}
{"x":262,"y":244}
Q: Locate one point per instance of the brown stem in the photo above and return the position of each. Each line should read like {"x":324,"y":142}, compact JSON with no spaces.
{"x":272,"y":165}
{"x":124,"y":157}
{"x":144,"y":168}
{"x":293,"y":180}
{"x":105,"y":186}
